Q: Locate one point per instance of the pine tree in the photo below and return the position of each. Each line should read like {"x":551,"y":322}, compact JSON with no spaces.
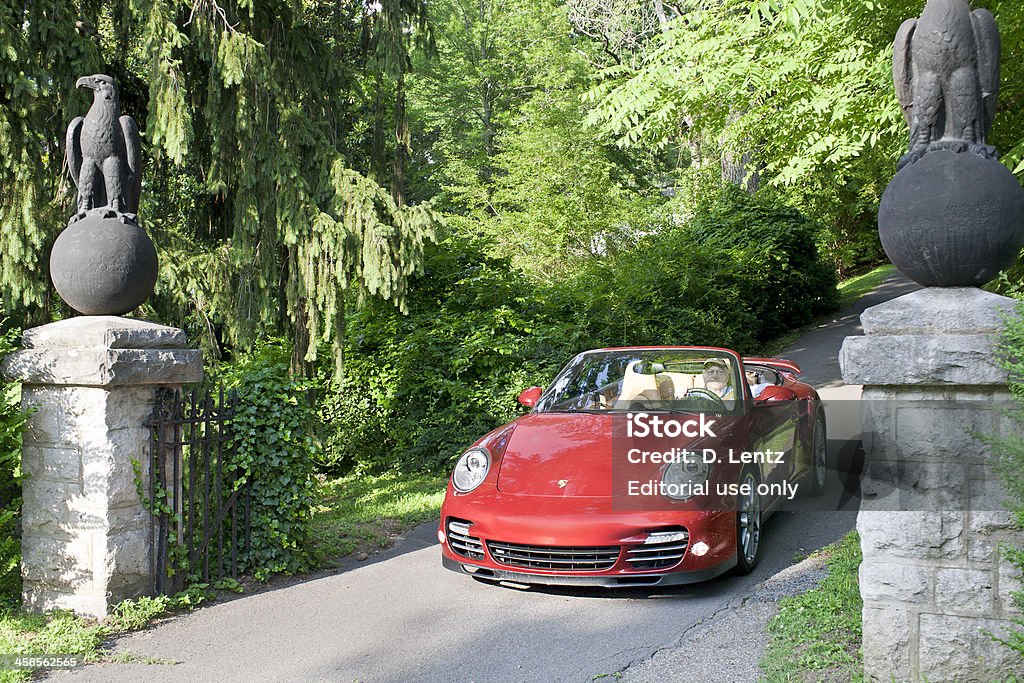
{"x":259,"y":192}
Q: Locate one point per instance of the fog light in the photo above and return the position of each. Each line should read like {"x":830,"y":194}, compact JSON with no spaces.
{"x":700,"y":549}
{"x":666,"y":537}
{"x":440,"y":536}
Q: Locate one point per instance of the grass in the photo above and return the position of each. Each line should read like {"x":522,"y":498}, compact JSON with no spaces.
{"x":856,"y":287}
{"x":64,"y":634}
{"x":816,"y":636}
{"x":364,"y":514}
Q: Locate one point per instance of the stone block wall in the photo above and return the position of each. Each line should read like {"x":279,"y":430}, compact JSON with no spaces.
{"x":936,"y":590}
{"x":81,"y":505}
{"x":91,"y":385}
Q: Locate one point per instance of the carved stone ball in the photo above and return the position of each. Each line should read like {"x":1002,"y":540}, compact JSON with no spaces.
{"x":952,"y":219}
{"x":102,"y":266}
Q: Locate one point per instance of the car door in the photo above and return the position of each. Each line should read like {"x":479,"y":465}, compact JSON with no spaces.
{"x":773,"y":432}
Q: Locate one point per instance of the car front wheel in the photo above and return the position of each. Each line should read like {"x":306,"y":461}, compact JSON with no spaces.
{"x":748,"y":524}
{"x":819,"y":451}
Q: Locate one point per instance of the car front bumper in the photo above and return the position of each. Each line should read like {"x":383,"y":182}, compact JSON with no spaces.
{"x":544,"y":527}
{"x":635,"y":580}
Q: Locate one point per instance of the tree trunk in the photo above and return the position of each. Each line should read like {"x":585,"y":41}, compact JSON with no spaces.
{"x":403,"y":143}
{"x":377,"y":148}
{"x":487,"y":116}
{"x":738,"y":169}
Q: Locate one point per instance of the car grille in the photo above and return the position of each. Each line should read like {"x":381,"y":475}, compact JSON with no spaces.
{"x":461,"y":542}
{"x":567,"y":559}
{"x":657,"y":555}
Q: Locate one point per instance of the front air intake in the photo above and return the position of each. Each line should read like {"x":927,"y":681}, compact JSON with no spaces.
{"x":661,"y":550}
{"x":460,"y":540}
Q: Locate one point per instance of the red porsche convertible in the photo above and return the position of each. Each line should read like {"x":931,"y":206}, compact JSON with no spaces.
{"x":637,"y":467}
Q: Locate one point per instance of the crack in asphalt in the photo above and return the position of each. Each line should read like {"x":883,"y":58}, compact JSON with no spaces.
{"x":788,"y":581}
{"x":652,"y":651}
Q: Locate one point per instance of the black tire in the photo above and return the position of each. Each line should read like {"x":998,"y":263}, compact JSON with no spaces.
{"x":817,"y":477}
{"x":749,"y":518}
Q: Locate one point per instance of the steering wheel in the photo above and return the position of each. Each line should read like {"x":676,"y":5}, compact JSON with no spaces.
{"x":706,"y":393}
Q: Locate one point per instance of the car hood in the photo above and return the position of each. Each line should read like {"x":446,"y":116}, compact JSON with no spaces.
{"x":571,"y":455}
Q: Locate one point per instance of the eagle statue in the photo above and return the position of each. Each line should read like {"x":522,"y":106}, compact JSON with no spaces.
{"x":946,"y":69}
{"x":105,"y":154}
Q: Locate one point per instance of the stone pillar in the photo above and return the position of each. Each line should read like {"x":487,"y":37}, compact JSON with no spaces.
{"x":931,"y":519}
{"x":91,"y":383}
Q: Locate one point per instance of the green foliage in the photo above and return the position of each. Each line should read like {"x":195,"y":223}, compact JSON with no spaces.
{"x":670,"y":289}
{"x":802,"y":89}
{"x":131,"y":615}
{"x":420,"y":388}
{"x":502,"y":143}
{"x":12,"y":420}
{"x":271,"y":435}
{"x":742,"y":272}
{"x":816,"y":635}
{"x":783,"y":281}
{"x":797,"y":81}
{"x":1009,"y":451}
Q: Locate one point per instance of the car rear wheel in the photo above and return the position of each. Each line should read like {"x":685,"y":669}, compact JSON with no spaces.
{"x":748,"y":524}
{"x":819,"y":452}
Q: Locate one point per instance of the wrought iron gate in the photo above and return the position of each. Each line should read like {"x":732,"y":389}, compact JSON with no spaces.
{"x":200,"y":504}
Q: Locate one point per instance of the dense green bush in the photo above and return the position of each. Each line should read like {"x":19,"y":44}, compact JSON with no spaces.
{"x":669,"y":290}
{"x":783,"y":279}
{"x":272,"y":432}
{"x":11,"y":421}
{"x":744,"y":271}
{"x":419,"y":388}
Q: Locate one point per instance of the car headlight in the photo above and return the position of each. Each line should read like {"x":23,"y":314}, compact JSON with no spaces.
{"x":471,"y":469}
{"x":682,"y":479}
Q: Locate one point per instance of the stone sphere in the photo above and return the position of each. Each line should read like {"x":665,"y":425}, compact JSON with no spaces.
{"x":102,"y":266}
{"x":952,"y":220}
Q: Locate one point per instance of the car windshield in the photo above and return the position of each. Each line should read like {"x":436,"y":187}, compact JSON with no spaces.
{"x":677,"y":380}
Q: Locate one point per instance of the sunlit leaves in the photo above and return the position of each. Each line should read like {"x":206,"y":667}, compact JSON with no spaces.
{"x":170,"y":123}
{"x":794,"y":79}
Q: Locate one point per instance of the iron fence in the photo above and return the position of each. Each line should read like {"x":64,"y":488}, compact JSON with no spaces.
{"x":200,"y":504}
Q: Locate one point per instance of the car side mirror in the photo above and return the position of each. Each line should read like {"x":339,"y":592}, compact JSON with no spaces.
{"x":530,"y":396}
{"x":775,"y":394}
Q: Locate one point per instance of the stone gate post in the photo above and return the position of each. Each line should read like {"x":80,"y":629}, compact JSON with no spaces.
{"x":91,"y":383}
{"x":931,"y":520}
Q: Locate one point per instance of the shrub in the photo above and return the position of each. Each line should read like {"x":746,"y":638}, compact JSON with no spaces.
{"x":419,"y":388}
{"x":744,"y":270}
{"x":12,"y":419}
{"x":782,"y":278}
{"x":669,"y":290}
{"x":273,"y":444}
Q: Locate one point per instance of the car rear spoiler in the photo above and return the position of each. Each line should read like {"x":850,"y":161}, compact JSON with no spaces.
{"x":777,"y":363}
